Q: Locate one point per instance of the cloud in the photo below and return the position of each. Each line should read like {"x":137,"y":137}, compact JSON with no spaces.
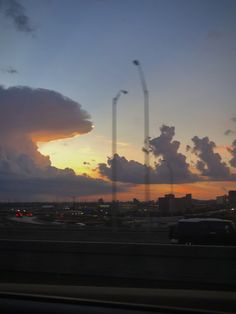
{"x":9,"y":70}
{"x":127,"y":170}
{"x":164,"y":146}
{"x":86,"y":163}
{"x":171,"y":166}
{"x":210,"y":164}
{"x":228,"y":132}
{"x":40,"y":114}
{"x":188,"y":148}
{"x":48,"y":188}
{"x":232,"y":150}
{"x":26,"y":116}
{"x":15,"y":11}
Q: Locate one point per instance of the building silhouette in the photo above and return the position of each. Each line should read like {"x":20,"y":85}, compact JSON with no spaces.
{"x":232,"y":198}
{"x":169,"y":204}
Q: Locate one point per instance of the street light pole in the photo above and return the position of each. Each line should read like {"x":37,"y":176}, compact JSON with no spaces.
{"x":114,"y":143}
{"x":146,"y":130}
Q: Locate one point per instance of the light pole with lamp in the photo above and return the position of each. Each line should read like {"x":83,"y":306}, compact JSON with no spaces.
{"x":146,"y":148}
{"x":114,"y":152}
{"x":114,"y":142}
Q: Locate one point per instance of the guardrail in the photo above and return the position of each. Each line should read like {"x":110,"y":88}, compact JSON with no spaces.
{"x":195,"y":264}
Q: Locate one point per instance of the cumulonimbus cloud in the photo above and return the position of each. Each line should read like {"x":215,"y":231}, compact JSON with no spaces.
{"x":26,"y":116}
{"x":41,"y":113}
{"x":15,"y":11}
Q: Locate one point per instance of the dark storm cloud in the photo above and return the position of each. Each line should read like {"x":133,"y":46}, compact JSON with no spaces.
{"x":232,"y":150}
{"x":15,"y":11}
{"x":9,"y":70}
{"x":28,"y":115}
{"x":210,"y":164}
{"x":171,"y":164}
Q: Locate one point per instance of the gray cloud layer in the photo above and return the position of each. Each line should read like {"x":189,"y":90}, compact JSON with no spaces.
{"x":63,"y":186}
{"x":210,"y":164}
{"x":128,"y":170}
{"x":164,"y":146}
{"x":28,"y":115}
{"x":171,"y":163}
{"x":15,"y":11}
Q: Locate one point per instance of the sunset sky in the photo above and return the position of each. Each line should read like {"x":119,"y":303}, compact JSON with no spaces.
{"x":62,"y":62}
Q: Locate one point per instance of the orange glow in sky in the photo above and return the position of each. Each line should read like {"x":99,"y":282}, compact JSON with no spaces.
{"x":83,"y":157}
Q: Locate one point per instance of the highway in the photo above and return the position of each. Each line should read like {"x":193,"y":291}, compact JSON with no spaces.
{"x":77,"y":234}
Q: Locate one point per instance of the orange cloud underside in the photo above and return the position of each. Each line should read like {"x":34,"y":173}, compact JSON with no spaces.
{"x":51,"y":136}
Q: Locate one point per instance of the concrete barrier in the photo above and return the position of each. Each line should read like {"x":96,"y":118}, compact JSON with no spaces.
{"x":195,"y":264}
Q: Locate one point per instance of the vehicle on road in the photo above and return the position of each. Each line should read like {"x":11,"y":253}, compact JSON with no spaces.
{"x":203,"y":231}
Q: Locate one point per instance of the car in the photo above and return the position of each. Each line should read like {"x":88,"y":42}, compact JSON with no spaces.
{"x":203,"y":231}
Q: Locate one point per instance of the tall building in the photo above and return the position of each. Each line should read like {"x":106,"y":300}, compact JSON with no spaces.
{"x":166,"y":204}
{"x":221,"y":200}
{"x":169,"y":204}
{"x":188,"y":199}
{"x":232,"y":198}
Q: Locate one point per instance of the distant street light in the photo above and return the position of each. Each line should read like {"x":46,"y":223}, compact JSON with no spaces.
{"x":114,"y":142}
{"x":146,"y":130}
